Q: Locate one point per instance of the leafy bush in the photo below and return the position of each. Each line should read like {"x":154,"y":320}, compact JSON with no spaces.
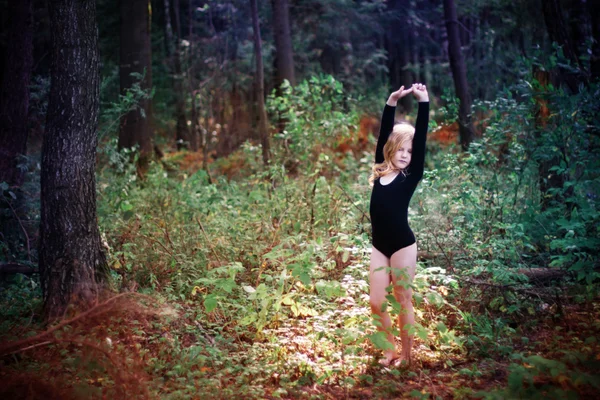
{"x":315,"y":113}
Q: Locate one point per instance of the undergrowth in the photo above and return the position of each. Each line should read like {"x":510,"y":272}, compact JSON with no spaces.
{"x":259,"y":285}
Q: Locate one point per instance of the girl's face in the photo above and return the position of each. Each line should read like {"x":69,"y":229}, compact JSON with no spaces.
{"x":403,"y":156}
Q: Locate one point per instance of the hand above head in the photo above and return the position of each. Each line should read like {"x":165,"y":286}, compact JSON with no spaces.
{"x":420,"y":92}
{"x":397,"y":95}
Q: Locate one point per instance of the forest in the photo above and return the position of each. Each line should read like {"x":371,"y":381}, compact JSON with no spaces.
{"x":185,"y":199}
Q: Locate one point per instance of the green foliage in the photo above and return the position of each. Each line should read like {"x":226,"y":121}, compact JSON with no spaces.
{"x":112,"y":112}
{"x":38,"y":101}
{"x":485,"y":335}
{"x":535,"y":377}
{"x":271,"y":257}
{"x":316,"y":113}
{"x":269,"y":277}
{"x":233,"y":259}
{"x":493,"y":204}
{"x":19,"y":214}
{"x":18,"y":303}
{"x":449,"y":111}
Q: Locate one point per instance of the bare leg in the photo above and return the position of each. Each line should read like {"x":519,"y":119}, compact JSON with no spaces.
{"x":379,"y":280}
{"x":404,"y":263}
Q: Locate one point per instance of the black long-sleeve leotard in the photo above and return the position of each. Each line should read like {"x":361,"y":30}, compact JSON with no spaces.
{"x":389,"y":203}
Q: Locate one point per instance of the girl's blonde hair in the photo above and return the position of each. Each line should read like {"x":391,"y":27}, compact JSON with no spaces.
{"x":402,"y":133}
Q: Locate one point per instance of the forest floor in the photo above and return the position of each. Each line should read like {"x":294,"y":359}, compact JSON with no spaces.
{"x":218,"y":302}
{"x":135,"y":349}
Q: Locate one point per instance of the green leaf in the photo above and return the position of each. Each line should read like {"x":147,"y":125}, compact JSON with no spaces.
{"x":287,"y":300}
{"x":345,"y":256}
{"x":442,"y":327}
{"x":380,"y":341}
{"x":515,"y":379}
{"x":435,"y":298}
{"x":210,"y":302}
{"x":295,"y":309}
{"x":304,"y":278}
{"x":248,"y":319}
{"x":126,"y":206}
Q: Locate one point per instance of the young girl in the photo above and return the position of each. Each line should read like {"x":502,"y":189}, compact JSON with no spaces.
{"x":399,"y":163}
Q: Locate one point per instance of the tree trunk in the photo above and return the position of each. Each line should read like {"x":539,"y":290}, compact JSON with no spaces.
{"x":459,"y":74}
{"x":14,"y":92}
{"x":594,"y":11}
{"x":284,"y":61}
{"x":579,"y":25}
{"x":558,"y":31}
{"x":70,"y":248}
{"x":136,"y":52}
{"x":182,"y":132}
{"x":414,"y":47}
{"x":194,"y":128}
{"x":557,"y":28}
{"x":398,"y":39}
{"x":260,"y":85}
{"x":407,"y":75}
{"x":330,"y":60}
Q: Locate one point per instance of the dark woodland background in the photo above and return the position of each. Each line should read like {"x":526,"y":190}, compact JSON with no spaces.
{"x":184,"y":197}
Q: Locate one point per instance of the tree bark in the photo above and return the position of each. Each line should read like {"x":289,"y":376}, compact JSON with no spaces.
{"x":182,"y":132}
{"x":594,"y":12}
{"x":459,"y":74}
{"x":71,"y":254}
{"x":284,"y":61}
{"x":260,"y":84}
{"x":195,"y":128}
{"x":558,"y":31}
{"x":398,"y":42}
{"x":579,"y":25}
{"x":136,"y":57}
{"x":407,"y":76}
{"x":14,"y":92}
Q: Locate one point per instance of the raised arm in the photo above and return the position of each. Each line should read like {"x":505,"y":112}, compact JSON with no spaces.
{"x":387,"y":121}
{"x":417,"y":164}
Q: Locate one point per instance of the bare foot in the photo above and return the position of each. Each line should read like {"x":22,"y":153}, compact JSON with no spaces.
{"x":401,"y":362}
{"x":389,"y":357}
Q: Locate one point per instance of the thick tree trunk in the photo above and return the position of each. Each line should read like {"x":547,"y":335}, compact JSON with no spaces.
{"x":14,"y":92}
{"x":260,"y":85}
{"x":70,"y":248}
{"x":284,"y":61}
{"x":182,"y":131}
{"x":136,"y":52}
{"x":459,"y":73}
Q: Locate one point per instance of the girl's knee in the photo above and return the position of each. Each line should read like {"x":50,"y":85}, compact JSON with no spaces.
{"x":403,"y":296}
{"x":376,"y":303}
